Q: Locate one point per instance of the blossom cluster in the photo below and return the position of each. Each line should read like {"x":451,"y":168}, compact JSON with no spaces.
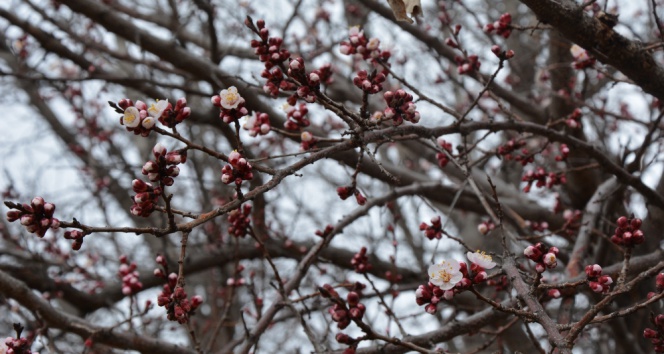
{"x":17,"y":346}
{"x":541,"y":178}
{"x":360,"y":261}
{"x":37,"y":217}
{"x":296,"y":116}
{"x":238,"y":169}
{"x":258,"y":124}
{"x":163,"y":168}
{"x":141,"y":118}
{"x":309,"y":83}
{"x":442,"y":158}
{"x":369,"y":83}
{"x":541,"y":257}
{"x":145,"y":199}
{"x":581,"y":57}
{"x":564,"y":152}
{"x":502,"y":27}
{"x":434,"y":230}
{"x":513,"y":150}
{"x":174,"y":298}
{"x":596,"y":281}
{"x":656,"y":335}
{"x":77,"y":236}
{"x":467,"y":65}
{"x":367,"y":49}
{"x":239,"y":221}
{"x":347,"y":191}
{"x":574,"y":119}
{"x":231,"y":105}
{"x":400,"y":107}
{"x":129,"y":276}
{"x":485,"y":226}
{"x":344,"y":312}
{"x":451,"y":277}
{"x":628,"y":233}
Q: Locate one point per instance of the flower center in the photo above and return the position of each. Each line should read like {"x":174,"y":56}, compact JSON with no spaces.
{"x":445,"y":275}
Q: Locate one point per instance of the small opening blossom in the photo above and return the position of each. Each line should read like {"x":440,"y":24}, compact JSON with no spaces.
{"x":157,"y":109}
{"x":148,"y":122}
{"x":481,"y":259}
{"x":445,"y":275}
{"x":230,"y":98}
{"x":132,"y":117}
{"x":579,"y":53}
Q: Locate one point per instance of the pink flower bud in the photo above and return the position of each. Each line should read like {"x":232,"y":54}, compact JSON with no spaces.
{"x":159,"y":150}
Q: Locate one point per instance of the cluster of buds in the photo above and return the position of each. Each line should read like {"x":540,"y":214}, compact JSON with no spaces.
{"x":541,"y":178}
{"x":129,"y":276}
{"x":656,"y":335}
{"x":173,"y":297}
{"x":324,"y":233}
{"x":435,"y":230}
{"x":145,"y":199}
{"x":628,"y":233}
{"x":77,"y":236}
{"x":308,"y":141}
{"x":275,"y":81}
{"x":237,"y":280}
{"x":347,"y":191}
{"x":173,"y":116}
{"x":442,"y":158}
{"x":360,"y":261}
{"x":537,"y":226}
{"x":572,"y":221}
{"x":467,"y":65}
{"x":564,"y":152}
{"x":231,"y":105}
{"x":502,"y":54}
{"x":400,"y":107}
{"x":581,"y":57}
{"x":258,"y":124}
{"x":17,"y":345}
{"x":37,"y":217}
{"x":369,"y":83}
{"x":296,"y":117}
{"x":598,"y":283}
{"x":502,"y":27}
{"x":486,"y":226}
{"x":574,"y":119}
{"x":513,"y":150}
{"x":238,"y":170}
{"x":309,"y":83}
{"x":268,"y":49}
{"x":239,"y":221}
{"x":343,"y":312}
{"x":541,"y":257}
{"x":430,"y":295}
{"x":367,"y":49}
{"x":163,"y":168}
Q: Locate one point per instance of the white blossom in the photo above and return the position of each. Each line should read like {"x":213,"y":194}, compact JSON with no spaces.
{"x":445,"y":274}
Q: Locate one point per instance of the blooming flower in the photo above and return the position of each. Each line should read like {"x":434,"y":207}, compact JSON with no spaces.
{"x":132,"y":117}
{"x":481,"y":259}
{"x":579,"y":53}
{"x":230,"y":98}
{"x":157,"y":109}
{"x":445,"y":275}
